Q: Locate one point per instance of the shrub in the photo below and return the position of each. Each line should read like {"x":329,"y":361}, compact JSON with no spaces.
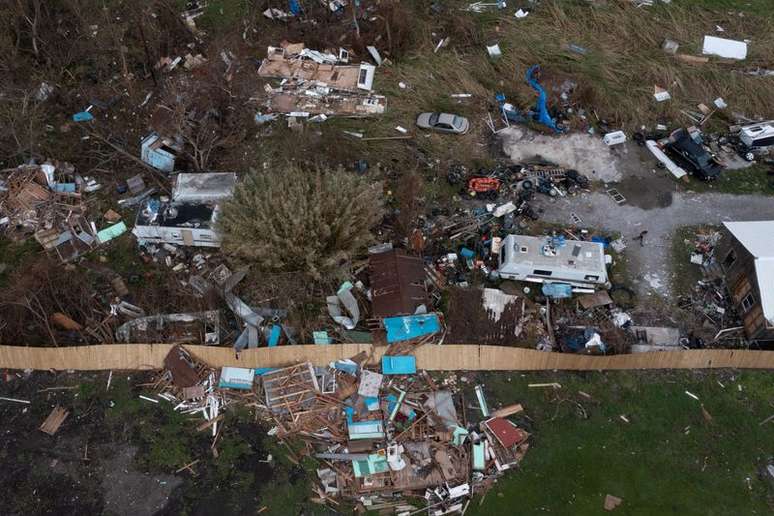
{"x":310,"y":220}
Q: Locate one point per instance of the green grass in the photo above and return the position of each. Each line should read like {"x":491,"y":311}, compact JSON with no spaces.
{"x":752,"y":180}
{"x":123,"y":256}
{"x":667,"y":460}
{"x":222,"y":15}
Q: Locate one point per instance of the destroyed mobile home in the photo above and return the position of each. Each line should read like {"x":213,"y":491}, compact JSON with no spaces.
{"x":188,"y":218}
{"x":318,"y":83}
{"x":47,"y":202}
{"x":380,"y":435}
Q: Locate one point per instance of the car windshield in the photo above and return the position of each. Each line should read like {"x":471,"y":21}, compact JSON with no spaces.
{"x":457,"y":121}
{"x":433,"y":119}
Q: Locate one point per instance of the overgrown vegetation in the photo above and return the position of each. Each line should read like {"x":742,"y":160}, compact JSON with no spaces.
{"x":298,"y":218}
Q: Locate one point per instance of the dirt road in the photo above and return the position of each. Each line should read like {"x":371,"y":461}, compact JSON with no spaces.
{"x":650,"y":264}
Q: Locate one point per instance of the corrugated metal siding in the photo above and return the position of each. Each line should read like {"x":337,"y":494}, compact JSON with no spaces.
{"x":397,"y":281}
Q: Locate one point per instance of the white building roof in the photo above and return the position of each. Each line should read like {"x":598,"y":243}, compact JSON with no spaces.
{"x":758,"y":238}
{"x":764,"y":269}
{"x":204,"y":187}
{"x":540,"y":251}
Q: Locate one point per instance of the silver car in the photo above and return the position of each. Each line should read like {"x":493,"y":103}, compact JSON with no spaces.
{"x":443,"y":123}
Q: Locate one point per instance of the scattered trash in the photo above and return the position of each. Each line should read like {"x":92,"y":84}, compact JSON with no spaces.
{"x":692,"y":395}
{"x":614,"y":138}
{"x":660,"y":94}
{"x":83,"y":116}
{"x":670,"y":47}
{"x":14,"y":400}
{"x":611,"y":502}
{"x":727,"y":48}
{"x":494,"y":51}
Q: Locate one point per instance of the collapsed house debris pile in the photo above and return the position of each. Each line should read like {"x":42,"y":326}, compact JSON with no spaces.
{"x":46,"y":201}
{"x":318,"y":84}
{"x":379,"y":437}
{"x":709,"y":300}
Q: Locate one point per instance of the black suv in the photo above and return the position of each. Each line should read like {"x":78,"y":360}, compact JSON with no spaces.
{"x":703,"y":164}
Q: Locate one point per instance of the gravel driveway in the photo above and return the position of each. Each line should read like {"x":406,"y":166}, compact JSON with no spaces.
{"x":650,"y":264}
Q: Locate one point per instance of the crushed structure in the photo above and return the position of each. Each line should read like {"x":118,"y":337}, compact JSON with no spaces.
{"x":47,"y":202}
{"x":398,"y":283}
{"x":188,"y":218}
{"x":160,"y":152}
{"x":188,"y":328}
{"x":318,"y":83}
{"x":377,"y":437}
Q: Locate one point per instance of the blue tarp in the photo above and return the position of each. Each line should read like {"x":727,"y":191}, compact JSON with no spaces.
{"x":541,"y":108}
{"x":411,"y":327}
{"x":83,"y":116}
{"x":399,"y":364}
{"x":274,"y":335}
{"x":557,"y":290}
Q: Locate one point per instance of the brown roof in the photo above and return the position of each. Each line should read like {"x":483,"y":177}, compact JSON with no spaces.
{"x":505,"y":432}
{"x":397,"y":281}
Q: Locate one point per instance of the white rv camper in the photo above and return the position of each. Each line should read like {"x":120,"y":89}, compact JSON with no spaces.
{"x":757,"y":138}
{"x":553,"y":259}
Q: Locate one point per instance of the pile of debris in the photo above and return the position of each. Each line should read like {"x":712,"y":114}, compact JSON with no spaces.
{"x":378,"y":436}
{"x":46,"y":201}
{"x":318,"y":84}
{"x":709,"y":301}
{"x":518,"y":182}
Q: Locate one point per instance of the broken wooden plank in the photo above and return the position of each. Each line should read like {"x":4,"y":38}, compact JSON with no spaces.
{"x":188,"y":467}
{"x":552,"y":384}
{"x":54,"y":420}
{"x":205,"y":425}
{"x":508,"y":410}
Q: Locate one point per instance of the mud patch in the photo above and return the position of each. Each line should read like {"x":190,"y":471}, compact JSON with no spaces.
{"x":130,"y":492}
{"x":585,"y":153}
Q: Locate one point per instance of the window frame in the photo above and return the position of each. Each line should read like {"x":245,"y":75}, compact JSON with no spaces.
{"x":748,"y":302}
{"x":732,"y":256}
